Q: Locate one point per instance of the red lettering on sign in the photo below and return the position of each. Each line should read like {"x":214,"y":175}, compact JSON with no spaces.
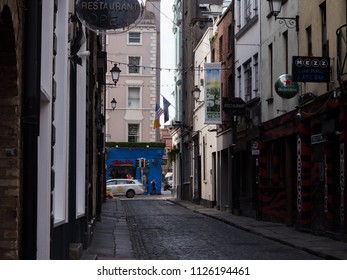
{"x":122,"y":162}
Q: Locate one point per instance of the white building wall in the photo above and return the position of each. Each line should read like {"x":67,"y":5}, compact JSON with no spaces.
{"x":275,"y":39}
{"x":247,"y":47}
{"x":177,"y":29}
{"x":176,"y":133}
{"x":57,"y":69}
{"x":207,"y":138}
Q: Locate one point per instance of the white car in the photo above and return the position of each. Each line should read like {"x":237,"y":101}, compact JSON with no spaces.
{"x":127,"y":187}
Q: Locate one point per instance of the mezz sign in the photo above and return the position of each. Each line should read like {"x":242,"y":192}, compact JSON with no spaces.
{"x":311,"y":69}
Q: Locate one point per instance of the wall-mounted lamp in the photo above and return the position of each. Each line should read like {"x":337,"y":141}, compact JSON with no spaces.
{"x":113,"y":104}
{"x":196,"y":92}
{"x":115,"y":72}
{"x":275,"y":9}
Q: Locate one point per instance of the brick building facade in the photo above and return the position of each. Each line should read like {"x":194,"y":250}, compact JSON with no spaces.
{"x":11,"y":54}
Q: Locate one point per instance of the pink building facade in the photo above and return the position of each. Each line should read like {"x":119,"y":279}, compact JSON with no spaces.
{"x":137,"y":53}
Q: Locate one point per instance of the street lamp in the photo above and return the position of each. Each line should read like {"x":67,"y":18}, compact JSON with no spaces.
{"x":275,"y":9}
{"x":115,"y":71}
{"x":113,"y":104}
{"x":196,"y":93}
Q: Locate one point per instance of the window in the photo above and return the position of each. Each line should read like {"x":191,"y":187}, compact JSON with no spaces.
{"x":256,"y":74}
{"x":133,"y":133}
{"x":239,"y":80}
{"x":239,"y":14}
{"x":134,"y":37}
{"x":248,"y":12}
{"x":271,"y":69}
{"x":231,"y":86}
{"x":248,"y":80}
{"x":286,"y":52}
{"x":309,"y":40}
{"x":325,"y":41}
{"x":221,"y":48}
{"x":230,"y":38}
{"x":255,"y":8}
{"x":133,"y":97}
{"x":325,"y":49}
{"x":133,"y":64}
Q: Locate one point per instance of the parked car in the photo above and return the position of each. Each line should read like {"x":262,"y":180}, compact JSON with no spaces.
{"x":127,"y":187}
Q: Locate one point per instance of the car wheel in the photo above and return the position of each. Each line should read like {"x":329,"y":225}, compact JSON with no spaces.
{"x":130,"y":194}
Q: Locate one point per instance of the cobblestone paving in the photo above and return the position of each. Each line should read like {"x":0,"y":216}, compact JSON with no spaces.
{"x":163,"y":230}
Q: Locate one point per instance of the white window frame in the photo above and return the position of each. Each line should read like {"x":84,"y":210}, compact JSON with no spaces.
{"x":239,"y":21}
{"x":61,"y":121}
{"x":139,"y":37}
{"x":247,"y":9}
{"x":138,"y":132}
{"x":247,"y":67}
{"x":255,"y":7}
{"x":129,"y":65}
{"x":81,"y":133}
{"x":239,"y":81}
{"x":256,"y":75}
{"x":139,"y":97}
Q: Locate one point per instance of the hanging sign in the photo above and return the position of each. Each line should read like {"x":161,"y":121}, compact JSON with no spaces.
{"x":311,"y":69}
{"x":213,"y":106}
{"x":235,"y":106}
{"x":286,"y":87}
{"x":102,"y":15}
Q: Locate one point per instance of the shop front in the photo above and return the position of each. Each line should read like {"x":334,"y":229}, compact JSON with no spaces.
{"x":302,"y":167}
{"x":141,"y":163}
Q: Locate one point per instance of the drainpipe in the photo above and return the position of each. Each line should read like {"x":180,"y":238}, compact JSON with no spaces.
{"x":30,"y":125}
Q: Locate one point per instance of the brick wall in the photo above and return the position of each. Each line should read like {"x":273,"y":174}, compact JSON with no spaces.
{"x":10,"y":134}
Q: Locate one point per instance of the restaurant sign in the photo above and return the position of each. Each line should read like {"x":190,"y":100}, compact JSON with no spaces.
{"x":235,"y":106}
{"x":103,"y":15}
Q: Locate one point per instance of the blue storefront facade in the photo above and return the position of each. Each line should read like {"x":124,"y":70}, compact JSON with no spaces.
{"x":121,"y":163}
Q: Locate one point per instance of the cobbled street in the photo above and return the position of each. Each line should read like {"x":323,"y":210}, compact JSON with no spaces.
{"x":161,"y":229}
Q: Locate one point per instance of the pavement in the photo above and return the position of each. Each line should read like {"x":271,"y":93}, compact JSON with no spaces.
{"x":111,"y":238}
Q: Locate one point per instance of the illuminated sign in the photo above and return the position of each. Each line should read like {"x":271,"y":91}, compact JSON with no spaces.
{"x":311,"y":69}
{"x":102,"y":15}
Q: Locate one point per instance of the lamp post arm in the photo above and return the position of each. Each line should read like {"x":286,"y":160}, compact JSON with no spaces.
{"x":290,"y":22}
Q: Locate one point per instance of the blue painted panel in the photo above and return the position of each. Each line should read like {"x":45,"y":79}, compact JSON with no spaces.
{"x":122,"y":162}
